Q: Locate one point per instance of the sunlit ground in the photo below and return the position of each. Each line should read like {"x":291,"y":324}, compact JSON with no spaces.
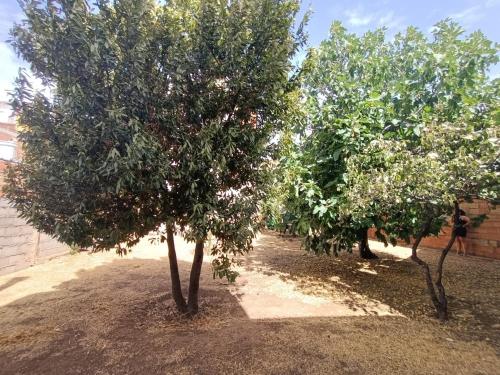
{"x":45,"y":277}
{"x":265,"y":293}
{"x":262,"y":292}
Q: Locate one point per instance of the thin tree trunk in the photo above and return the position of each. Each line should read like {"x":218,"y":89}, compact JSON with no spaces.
{"x":180,"y":302}
{"x":194,"y":280}
{"x":443,"y":302}
{"x":424,"y":265}
{"x":442,"y":309}
{"x":363,"y":245}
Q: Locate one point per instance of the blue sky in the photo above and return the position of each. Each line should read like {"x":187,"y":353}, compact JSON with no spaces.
{"x":357,"y":15}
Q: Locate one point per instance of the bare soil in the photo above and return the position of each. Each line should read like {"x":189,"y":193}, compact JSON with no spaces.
{"x":288,"y":313}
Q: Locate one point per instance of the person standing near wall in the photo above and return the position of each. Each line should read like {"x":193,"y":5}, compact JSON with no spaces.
{"x":461,"y":232}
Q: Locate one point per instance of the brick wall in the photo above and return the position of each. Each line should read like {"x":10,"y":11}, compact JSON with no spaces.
{"x":21,"y":245}
{"x":481,"y":241}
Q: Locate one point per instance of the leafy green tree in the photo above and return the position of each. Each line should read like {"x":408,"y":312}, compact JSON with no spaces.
{"x":397,"y":134}
{"x":159,"y":113}
{"x":361,"y":89}
{"x":414,"y":190}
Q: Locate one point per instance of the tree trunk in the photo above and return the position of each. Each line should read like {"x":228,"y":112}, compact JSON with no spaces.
{"x":194,"y":280}
{"x":424,"y":265}
{"x":363,"y":246}
{"x":436,"y":290}
{"x":180,"y":302}
{"x":443,"y":302}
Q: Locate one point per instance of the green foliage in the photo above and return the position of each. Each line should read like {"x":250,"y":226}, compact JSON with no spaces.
{"x":158,"y":113}
{"x":413,"y":186}
{"x":283,"y":169}
{"x":394,"y":132}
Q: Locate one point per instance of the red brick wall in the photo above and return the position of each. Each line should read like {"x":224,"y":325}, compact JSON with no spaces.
{"x":8,"y":127}
{"x":481,"y":241}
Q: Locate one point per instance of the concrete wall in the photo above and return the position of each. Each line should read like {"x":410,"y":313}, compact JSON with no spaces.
{"x":21,"y":245}
{"x":481,"y":241}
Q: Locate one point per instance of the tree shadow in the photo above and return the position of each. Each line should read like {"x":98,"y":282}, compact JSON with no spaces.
{"x":12,"y":282}
{"x":472,"y":284}
{"x":119,"y":305}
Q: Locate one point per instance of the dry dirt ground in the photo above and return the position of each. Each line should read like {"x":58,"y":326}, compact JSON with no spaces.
{"x":288,"y":313}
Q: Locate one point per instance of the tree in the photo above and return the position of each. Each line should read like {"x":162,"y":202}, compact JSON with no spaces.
{"x":414,"y":190}
{"x":333,"y":107}
{"x":158,"y":114}
{"x":361,"y":89}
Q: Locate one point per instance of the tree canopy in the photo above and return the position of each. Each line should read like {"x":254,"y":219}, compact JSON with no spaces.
{"x":366,"y":94}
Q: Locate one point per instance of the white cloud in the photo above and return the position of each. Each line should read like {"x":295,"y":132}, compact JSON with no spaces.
{"x":390,"y":21}
{"x":469,"y":16}
{"x":491,"y":3}
{"x":355,"y":17}
{"x":362,"y":18}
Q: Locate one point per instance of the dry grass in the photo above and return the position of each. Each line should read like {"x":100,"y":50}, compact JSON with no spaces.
{"x":288,"y":313}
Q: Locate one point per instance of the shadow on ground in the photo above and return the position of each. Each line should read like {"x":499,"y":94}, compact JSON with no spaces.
{"x":117,"y":318}
{"x":472,"y":284}
{"x":12,"y":282}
